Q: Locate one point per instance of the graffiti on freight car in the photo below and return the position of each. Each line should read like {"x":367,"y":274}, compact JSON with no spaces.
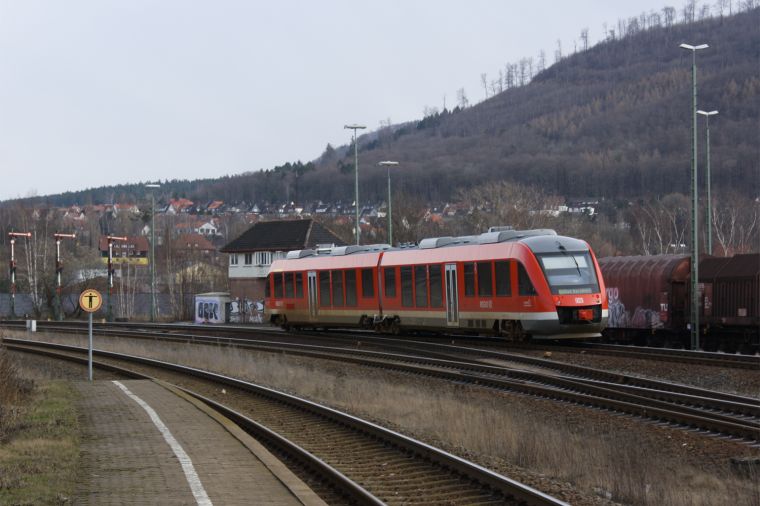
{"x":617,"y":314}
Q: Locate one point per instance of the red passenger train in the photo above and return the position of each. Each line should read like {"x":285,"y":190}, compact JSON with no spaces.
{"x":518,"y":284}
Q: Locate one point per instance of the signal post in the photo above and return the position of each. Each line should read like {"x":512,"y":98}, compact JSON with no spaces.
{"x":90,"y":301}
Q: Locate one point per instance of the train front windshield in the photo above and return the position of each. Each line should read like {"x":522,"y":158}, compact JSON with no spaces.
{"x":569,"y":273}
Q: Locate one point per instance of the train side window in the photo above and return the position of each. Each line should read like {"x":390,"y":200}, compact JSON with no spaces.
{"x":368,"y":284}
{"x":337,"y":288}
{"x":485,"y":279}
{"x":278,"y":285}
{"x":436,"y":286}
{"x":289,"y":285}
{"x":351,"y":287}
{"x":420,"y":286}
{"x":503,"y":285}
{"x":267,"y":287}
{"x":389,"y":280}
{"x":524,"y":284}
{"x":469,"y":279}
{"x":299,"y":285}
{"x":407,"y":297}
{"x":324,"y":288}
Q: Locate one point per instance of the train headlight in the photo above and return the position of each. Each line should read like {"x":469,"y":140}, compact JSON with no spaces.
{"x":557,"y":300}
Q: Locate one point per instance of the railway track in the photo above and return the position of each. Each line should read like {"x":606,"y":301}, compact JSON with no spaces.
{"x":659,"y":401}
{"x":367,"y":463}
{"x":467,"y":342}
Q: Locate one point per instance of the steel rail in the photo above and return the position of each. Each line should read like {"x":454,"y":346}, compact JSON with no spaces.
{"x":556,"y":387}
{"x":665,"y":391}
{"x":496,"y":482}
{"x":662,"y":354}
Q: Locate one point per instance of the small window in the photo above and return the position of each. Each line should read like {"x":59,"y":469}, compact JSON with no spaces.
{"x":436,"y":286}
{"x":337,"y":288}
{"x":485,"y":279}
{"x":503,"y":284}
{"x":524,"y":284}
{"x":288,"y":285}
{"x":267,"y":288}
{"x":389,"y":275}
{"x":278,"y":285}
{"x":469,"y":279}
{"x":368,"y":284}
{"x":351,"y":287}
{"x":407,"y":297}
{"x":324,"y":288}
{"x":233,"y":259}
{"x":420,"y":286}
{"x":248,"y":258}
{"x":299,"y":285}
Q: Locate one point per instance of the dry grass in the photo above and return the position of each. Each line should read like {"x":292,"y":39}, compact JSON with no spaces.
{"x":504,"y":431}
{"x":13,"y":391}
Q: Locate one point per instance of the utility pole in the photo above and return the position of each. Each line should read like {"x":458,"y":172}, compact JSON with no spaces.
{"x":388,"y":165}
{"x":12,"y":269}
{"x":152,"y":252}
{"x":57,"y":305}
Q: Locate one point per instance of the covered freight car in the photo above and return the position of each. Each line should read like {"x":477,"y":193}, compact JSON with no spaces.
{"x":647,"y":297}
{"x":649,"y":300}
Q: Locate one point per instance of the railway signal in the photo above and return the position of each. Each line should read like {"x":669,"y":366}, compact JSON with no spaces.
{"x":57,"y":306}
{"x":111,"y":239}
{"x":12,"y":267}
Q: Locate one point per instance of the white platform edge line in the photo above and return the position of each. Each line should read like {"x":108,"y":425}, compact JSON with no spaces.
{"x":187,"y":465}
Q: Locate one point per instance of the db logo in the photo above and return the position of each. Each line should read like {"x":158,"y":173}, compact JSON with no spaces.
{"x":579,"y":300}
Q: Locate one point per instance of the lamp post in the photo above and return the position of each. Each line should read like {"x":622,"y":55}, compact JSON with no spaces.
{"x":694,"y":222}
{"x":356,"y":127}
{"x":57,"y":306}
{"x":707,"y":176}
{"x":152,"y":251}
{"x":389,"y":164}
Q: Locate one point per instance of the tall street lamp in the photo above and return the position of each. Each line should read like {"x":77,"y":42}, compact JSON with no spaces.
{"x":709,"y":197}
{"x":356,"y":127}
{"x":152,"y":251}
{"x":694,"y":221}
{"x":389,"y":164}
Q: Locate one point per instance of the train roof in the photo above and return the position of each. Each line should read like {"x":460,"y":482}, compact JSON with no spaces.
{"x":437,"y":249}
{"x":738,"y":266}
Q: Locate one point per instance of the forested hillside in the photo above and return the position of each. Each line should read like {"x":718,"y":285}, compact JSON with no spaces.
{"x":612,"y":121}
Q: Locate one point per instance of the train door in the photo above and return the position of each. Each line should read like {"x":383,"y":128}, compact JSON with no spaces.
{"x":452,"y":296}
{"x":312,"y":292}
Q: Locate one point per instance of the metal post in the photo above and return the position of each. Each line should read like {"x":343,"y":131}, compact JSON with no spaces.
{"x":152,"y":257}
{"x":109,"y":309}
{"x":709,"y":196}
{"x":12,"y":266}
{"x":694,"y":331}
{"x":356,"y":179}
{"x":389,"y":164}
{"x":57,"y":303}
{"x":89,"y":348}
{"x":13,"y":278}
{"x":390,"y":210}
{"x":694,"y":214}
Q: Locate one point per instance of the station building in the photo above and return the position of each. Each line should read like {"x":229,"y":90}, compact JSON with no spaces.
{"x":252,"y":254}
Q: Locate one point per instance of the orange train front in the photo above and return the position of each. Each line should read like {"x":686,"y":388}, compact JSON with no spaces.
{"x":518,"y":284}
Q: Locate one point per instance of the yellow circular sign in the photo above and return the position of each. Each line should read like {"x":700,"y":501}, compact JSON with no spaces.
{"x":90,"y":300}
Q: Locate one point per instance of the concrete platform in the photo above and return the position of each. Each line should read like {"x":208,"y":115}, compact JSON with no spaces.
{"x":146,"y":443}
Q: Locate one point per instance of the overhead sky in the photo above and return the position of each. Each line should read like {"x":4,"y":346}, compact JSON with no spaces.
{"x":106,"y":92}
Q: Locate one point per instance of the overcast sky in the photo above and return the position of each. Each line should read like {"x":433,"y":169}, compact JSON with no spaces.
{"x":106,"y":92}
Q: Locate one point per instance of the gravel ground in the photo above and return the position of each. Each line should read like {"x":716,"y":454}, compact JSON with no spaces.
{"x":734,"y":381}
